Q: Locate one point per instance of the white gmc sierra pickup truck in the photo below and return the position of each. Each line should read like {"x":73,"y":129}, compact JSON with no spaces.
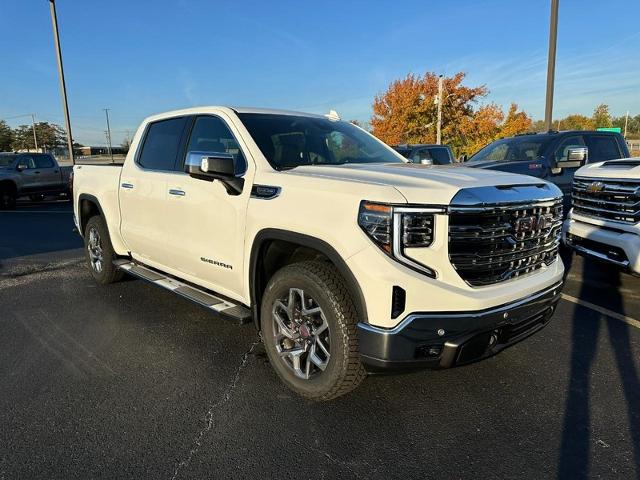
{"x":604,"y":222}
{"x":345,"y":256}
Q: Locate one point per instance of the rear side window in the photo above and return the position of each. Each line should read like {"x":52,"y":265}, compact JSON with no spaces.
{"x":44,"y":161}
{"x":162,"y":144}
{"x":603,"y":147}
{"x":211,"y":134}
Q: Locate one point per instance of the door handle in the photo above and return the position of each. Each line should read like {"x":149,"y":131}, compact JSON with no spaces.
{"x":177,"y":193}
{"x":127,"y":185}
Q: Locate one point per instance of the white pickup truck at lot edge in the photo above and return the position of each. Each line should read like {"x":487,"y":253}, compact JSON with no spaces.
{"x":604,"y":222}
{"x":345,"y":256}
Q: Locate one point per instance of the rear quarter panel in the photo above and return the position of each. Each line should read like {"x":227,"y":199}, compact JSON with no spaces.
{"x":100,"y":183}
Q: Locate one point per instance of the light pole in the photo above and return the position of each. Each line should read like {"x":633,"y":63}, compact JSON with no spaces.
{"x":63,"y":88}
{"x":551,"y":64}
{"x":439,"y":125}
{"x":33,"y":126}
{"x":106,"y":112}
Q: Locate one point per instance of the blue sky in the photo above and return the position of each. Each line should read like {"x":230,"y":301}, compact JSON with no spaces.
{"x":140,"y":57}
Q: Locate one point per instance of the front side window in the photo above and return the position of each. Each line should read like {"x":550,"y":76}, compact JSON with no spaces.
{"x":210,"y":134}
{"x":26,"y":162}
{"x":603,"y":147}
{"x":289,"y":141}
{"x":420,"y":155}
{"x":515,"y":149}
{"x":570,"y":142}
{"x":162,"y":144}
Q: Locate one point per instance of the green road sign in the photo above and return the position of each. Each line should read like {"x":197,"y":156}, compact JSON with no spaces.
{"x":610,"y":129}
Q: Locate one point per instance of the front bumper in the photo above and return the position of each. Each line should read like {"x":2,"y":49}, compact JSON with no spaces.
{"x":610,"y":245}
{"x":442,"y":340}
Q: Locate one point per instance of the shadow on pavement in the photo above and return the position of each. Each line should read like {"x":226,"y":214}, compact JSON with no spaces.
{"x":576,"y":445}
{"x":37,"y":228}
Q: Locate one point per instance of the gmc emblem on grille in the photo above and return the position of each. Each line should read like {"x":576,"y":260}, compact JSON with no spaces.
{"x":532,"y":223}
{"x":595,"y":187}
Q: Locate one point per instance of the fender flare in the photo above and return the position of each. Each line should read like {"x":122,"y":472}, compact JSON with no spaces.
{"x":92,"y":199}
{"x":267,"y":234}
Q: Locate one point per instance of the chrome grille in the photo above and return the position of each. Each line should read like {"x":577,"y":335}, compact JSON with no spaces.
{"x":617,"y":200}
{"x":492,"y":244}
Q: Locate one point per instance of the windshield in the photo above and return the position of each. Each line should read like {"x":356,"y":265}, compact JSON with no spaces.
{"x":288,"y":141}
{"x":6,"y":160}
{"x":512,"y":150}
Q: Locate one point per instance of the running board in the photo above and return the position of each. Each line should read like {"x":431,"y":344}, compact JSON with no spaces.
{"x":225,"y":308}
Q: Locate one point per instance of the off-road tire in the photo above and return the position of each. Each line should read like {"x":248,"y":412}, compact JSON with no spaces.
{"x":324,"y":283}
{"x":7,"y":197}
{"x":109,"y":272}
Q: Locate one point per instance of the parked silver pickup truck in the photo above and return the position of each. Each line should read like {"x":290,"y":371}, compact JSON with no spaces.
{"x":35,"y":175}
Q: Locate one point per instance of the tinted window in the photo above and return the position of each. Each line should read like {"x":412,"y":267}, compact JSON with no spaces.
{"x":513,"y":149}
{"x":162,"y":144}
{"x":6,"y":160}
{"x":44,"y":161}
{"x":603,"y":147}
{"x":288,"y":141}
{"x":569,"y":142}
{"x":211,"y":134}
{"x":422,"y":154}
{"x":440,"y":156}
{"x":26,"y":161}
{"x":405,"y":152}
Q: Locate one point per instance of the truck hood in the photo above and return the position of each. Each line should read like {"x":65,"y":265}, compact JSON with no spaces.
{"x":625,"y":169}
{"x":417,"y":183}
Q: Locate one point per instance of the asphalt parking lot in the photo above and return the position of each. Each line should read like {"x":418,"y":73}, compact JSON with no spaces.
{"x":129,"y":381}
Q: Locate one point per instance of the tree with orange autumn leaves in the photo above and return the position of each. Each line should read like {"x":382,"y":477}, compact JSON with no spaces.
{"x":407,"y":113}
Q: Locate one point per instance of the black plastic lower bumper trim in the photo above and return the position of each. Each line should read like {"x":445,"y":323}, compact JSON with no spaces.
{"x":443,"y":340}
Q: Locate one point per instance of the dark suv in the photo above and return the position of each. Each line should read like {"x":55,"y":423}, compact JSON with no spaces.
{"x":426,"y":153}
{"x":553,"y":156}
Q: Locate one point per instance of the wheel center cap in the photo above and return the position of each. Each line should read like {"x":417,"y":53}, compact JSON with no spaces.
{"x":304,"y":331}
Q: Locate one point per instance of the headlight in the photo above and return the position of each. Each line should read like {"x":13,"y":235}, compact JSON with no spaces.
{"x":375,"y":219}
{"x":417,"y":229}
{"x":394,"y":228}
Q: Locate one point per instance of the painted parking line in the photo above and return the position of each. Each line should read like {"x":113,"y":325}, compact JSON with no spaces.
{"x":604,"y":311}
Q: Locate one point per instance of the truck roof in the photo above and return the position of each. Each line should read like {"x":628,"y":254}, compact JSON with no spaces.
{"x":229,"y":109}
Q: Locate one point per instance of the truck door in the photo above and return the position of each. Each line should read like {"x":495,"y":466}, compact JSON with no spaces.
{"x":143,"y":191}
{"x":205,"y":223}
{"x":50,"y":179}
{"x":29,"y":174}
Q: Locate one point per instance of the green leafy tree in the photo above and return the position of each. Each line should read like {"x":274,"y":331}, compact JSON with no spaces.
{"x":601,"y":116}
{"x":6,"y":136}
{"x":49,"y":136}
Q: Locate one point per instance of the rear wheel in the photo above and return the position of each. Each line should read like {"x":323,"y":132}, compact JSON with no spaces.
{"x":308,"y":324}
{"x":99,"y":252}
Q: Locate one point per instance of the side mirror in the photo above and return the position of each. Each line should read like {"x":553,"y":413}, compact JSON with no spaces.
{"x":463,"y":158}
{"x":214,"y":166}
{"x":21,"y":167}
{"x":576,"y":157}
{"x":426,"y":161}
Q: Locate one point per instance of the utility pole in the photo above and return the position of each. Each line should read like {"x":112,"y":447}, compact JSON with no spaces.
{"x":626,"y":122}
{"x":33,"y":125}
{"x":439,"y":101}
{"x":63,"y":88}
{"x":106,"y":112}
{"x":551,"y":64}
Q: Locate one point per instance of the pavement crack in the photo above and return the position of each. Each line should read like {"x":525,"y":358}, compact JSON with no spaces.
{"x":209,"y":415}
{"x":336,"y":461}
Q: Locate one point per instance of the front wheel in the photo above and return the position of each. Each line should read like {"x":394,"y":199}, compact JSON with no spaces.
{"x":308,"y":322}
